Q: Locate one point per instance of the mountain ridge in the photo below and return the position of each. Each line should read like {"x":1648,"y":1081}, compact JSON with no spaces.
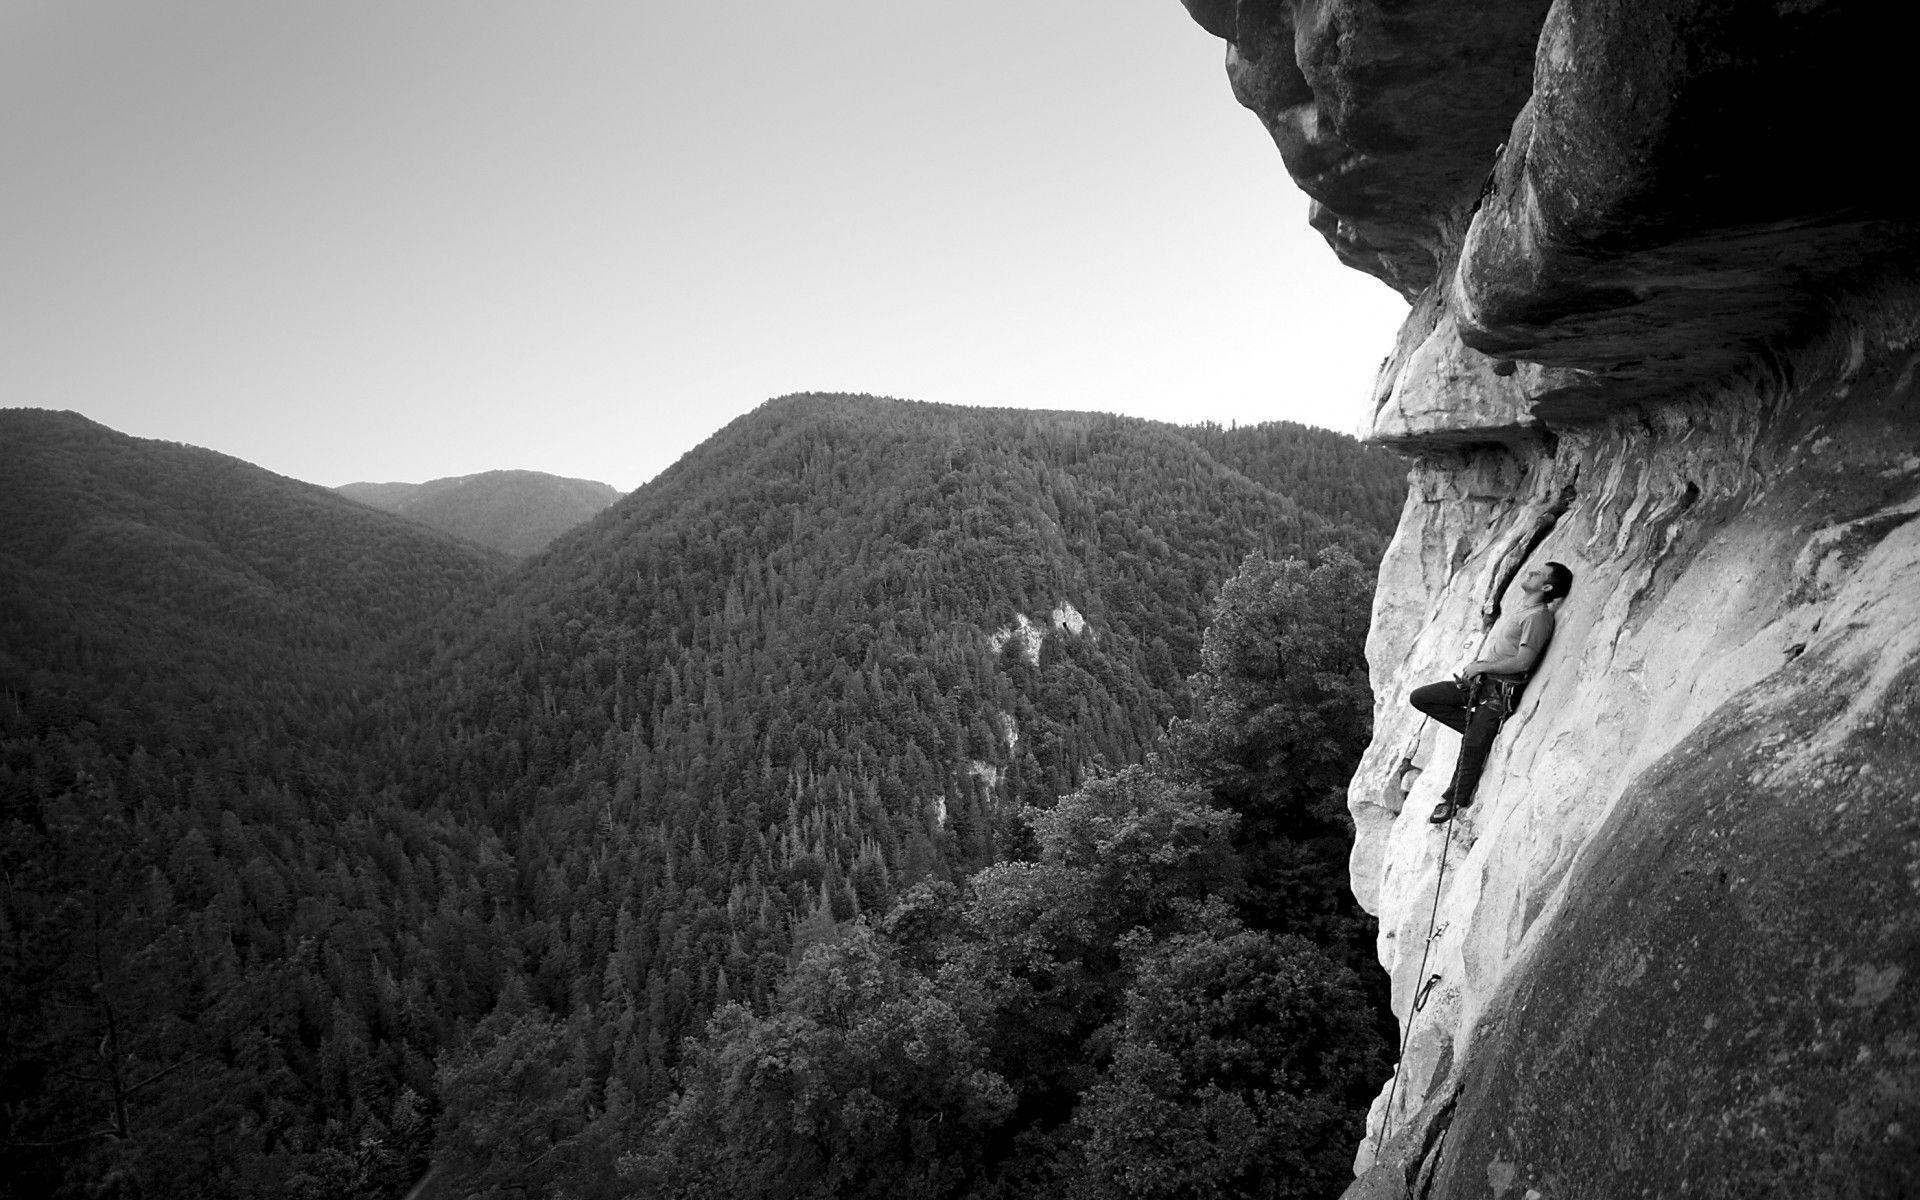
{"x":516,"y":512}
{"x":80,"y":497}
{"x":823,"y":552}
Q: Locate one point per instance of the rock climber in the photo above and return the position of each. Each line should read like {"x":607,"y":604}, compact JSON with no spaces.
{"x":1476,"y":701}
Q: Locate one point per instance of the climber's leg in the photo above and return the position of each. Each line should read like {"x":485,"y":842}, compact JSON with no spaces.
{"x":1476,"y":742}
{"x":1445,"y":702}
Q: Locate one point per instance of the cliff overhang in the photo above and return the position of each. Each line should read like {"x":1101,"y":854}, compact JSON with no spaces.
{"x":1629,"y":194}
{"x":1663,"y":328}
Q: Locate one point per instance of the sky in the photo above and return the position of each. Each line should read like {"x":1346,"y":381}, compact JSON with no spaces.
{"x":404,"y":239}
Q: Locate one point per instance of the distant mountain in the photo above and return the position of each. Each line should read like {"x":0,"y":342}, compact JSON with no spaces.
{"x":168,"y":560}
{"x":514,"y":512}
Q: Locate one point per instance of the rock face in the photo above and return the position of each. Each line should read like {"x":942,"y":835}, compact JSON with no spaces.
{"x":1031,"y":635}
{"x":1675,"y":944}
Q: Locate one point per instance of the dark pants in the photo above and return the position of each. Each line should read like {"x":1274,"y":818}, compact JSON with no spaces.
{"x":1446,"y":702}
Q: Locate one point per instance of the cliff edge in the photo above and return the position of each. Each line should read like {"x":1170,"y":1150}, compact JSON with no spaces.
{"x":1664,"y":329}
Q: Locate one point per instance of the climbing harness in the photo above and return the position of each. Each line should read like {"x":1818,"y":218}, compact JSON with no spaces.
{"x":1489,"y":613}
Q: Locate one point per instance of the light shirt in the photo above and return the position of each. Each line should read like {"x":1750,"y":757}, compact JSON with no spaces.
{"x":1528,"y":630}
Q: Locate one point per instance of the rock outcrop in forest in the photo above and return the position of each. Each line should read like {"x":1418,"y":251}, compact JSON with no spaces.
{"x":1662,"y":330}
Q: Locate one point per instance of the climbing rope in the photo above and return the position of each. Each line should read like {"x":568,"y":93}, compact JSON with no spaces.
{"x":1419,"y":997}
{"x":1489,"y":614}
{"x":1433,"y":916}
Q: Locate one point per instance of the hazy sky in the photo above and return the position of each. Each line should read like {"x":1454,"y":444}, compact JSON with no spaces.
{"x":401,"y":239}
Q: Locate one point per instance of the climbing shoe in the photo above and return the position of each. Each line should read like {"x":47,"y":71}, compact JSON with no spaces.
{"x":1445,"y":810}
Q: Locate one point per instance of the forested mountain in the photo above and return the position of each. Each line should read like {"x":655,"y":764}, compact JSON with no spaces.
{"x":448,"y":864}
{"x":1161,"y":1001}
{"x":1317,"y":467}
{"x":171,"y":590}
{"x":514,"y":512}
{"x":188,"y":650}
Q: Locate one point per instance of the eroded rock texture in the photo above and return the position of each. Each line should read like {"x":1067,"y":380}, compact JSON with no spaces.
{"x":1664,"y":330}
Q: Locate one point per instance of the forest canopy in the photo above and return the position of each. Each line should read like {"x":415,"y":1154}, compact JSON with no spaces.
{"x":335,"y":849}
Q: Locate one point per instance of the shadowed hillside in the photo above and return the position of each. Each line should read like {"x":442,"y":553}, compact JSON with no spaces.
{"x":146,"y":573}
{"x":190,"y":647}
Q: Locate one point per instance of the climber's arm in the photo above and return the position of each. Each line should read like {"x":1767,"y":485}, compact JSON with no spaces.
{"x":1534,"y":636}
{"x":1518,"y":663}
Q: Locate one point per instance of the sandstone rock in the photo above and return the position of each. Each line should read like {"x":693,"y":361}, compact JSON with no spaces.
{"x":1387,"y":113}
{"x":1726,"y":1007}
{"x":1029,"y":637}
{"x":1721,"y":558}
{"x":1443,"y":392}
{"x":1649,"y":192}
{"x":1670,"y":342}
{"x":1643,"y":220}
{"x":1065,"y":616}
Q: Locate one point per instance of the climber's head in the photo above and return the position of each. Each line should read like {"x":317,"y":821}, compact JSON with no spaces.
{"x":1558,"y":583}
{"x":1547,"y":583}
